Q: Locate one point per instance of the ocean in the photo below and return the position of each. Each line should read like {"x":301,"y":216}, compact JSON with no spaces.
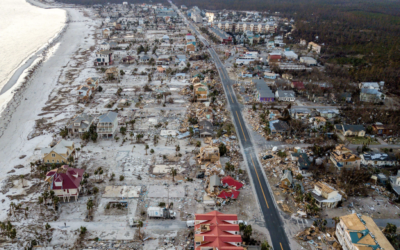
{"x":24,"y":29}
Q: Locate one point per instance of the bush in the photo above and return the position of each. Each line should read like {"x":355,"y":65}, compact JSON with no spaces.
{"x":121,"y":177}
{"x":161,"y":204}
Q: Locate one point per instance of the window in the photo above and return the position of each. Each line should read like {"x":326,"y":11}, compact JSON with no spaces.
{"x":53,"y":155}
{"x":48,"y":161}
{"x":58,"y":161}
{"x":53,"y":161}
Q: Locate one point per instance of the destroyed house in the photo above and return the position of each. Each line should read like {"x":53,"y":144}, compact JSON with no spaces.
{"x":286,"y":179}
{"x":380,"y":129}
{"x":200,"y":91}
{"x":302,"y":161}
{"x":214,"y":183}
{"x":209,"y":154}
{"x":92,"y":83}
{"x":355,"y":231}
{"x":278,"y":127}
{"x":342,"y":157}
{"x":263,"y":93}
{"x":379,"y":159}
{"x":325,"y":195}
{"x":206,"y":128}
{"x":65,"y":181}
{"x":215,"y":230}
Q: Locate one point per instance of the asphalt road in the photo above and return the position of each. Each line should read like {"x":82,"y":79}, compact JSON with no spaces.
{"x":272,"y":219}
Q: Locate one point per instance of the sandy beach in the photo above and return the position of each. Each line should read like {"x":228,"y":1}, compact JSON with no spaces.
{"x":28,"y":102}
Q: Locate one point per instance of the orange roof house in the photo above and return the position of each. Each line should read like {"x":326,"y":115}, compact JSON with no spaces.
{"x":215,"y":230}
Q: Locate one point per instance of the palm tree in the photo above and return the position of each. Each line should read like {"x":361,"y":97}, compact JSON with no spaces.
{"x":40,"y":201}
{"x":56,"y":199}
{"x":173,"y":173}
{"x":12,"y":206}
{"x":89,"y":205}
{"x":177,"y":149}
{"x":45,"y":196}
{"x":140,"y":225}
{"x":146,"y":148}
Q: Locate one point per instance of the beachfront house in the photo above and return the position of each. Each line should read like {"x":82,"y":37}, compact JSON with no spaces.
{"x":107,"y":125}
{"x":80,"y":124}
{"x":60,"y":153}
{"x":104,"y":58}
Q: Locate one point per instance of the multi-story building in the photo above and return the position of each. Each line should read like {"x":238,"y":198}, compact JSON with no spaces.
{"x":259,"y":28}
{"x":107,"y":125}
{"x":215,"y":230}
{"x":359,"y":232}
{"x":342,"y":157}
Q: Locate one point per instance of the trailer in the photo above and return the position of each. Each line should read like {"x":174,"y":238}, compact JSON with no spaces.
{"x":133,"y":223}
{"x":160,"y":213}
{"x":190,"y":223}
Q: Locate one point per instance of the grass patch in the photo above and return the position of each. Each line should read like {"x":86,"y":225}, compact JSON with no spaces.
{"x":362,"y":140}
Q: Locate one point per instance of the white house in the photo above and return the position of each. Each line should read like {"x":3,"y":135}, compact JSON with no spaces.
{"x":379,"y":159}
{"x":105,"y":46}
{"x":285,"y":95}
{"x":104,"y":57}
{"x":325,"y":195}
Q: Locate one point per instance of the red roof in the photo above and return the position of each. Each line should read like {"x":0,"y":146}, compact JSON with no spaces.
{"x":298,"y":85}
{"x":274,"y":57}
{"x":223,"y":231}
{"x":229,"y":194}
{"x":231,"y":182}
{"x":70,"y":178}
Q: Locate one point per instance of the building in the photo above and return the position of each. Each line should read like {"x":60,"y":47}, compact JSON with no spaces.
{"x":106,"y":33}
{"x":112,"y":73}
{"x":372,"y":85}
{"x":108,"y":125}
{"x":309,"y":61}
{"x":342,"y":157}
{"x":359,"y":232}
{"x":65,"y":182}
{"x":210,"y":16}
{"x":221,"y":35}
{"x":92,"y":83}
{"x":380,"y":129}
{"x":200,"y":91}
{"x":379,"y":159}
{"x":318,"y":122}
{"x":206,"y":128}
{"x":285,"y":95}
{"x":208,"y":154}
{"x":60,"y":153}
{"x":314,"y":47}
{"x":290,"y":55}
{"x":303,"y":163}
{"x":371,"y":95}
{"x":395,"y":183}
{"x":190,"y":48}
{"x":278,"y":127}
{"x":80,"y":124}
{"x":128,"y":60}
{"x":325,"y":196}
{"x":350,"y":130}
{"x":286,"y":179}
{"x":84,"y":93}
{"x":263,"y":92}
{"x":104,"y":58}
{"x":215,"y":230}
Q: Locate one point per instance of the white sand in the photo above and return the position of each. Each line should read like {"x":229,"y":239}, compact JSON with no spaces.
{"x":14,"y":142}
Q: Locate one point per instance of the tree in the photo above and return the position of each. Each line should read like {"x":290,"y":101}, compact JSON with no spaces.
{"x":56,"y":199}
{"x":146,"y":147}
{"x":229,"y":167}
{"x":265,"y":246}
{"x":151,"y":151}
{"x":100,"y":88}
{"x":140,"y":225}
{"x":40,"y":201}
{"x":173,"y":173}
{"x":45,"y":196}
{"x":83,"y":231}
{"x":121,"y":178}
{"x":222,"y":149}
{"x":390,"y":229}
{"x":336,"y":220}
{"x":89,"y":205}
{"x":177,"y":149}
{"x":247,"y":232}
{"x":47,"y":226}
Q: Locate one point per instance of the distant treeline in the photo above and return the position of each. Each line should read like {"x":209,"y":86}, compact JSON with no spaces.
{"x":362,"y":35}
{"x":92,"y":2}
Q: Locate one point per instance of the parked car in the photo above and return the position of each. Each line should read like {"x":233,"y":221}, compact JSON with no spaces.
{"x":265,"y":157}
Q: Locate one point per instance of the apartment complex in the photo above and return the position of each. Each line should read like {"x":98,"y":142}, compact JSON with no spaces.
{"x":244,"y":26}
{"x":359,"y":232}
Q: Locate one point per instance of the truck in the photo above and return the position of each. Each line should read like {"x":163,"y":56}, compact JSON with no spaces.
{"x":160,"y":213}
{"x":190,"y":223}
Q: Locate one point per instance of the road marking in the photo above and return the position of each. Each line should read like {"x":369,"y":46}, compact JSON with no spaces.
{"x":281,"y":245}
{"x":262,"y":190}
{"x":241,"y":126}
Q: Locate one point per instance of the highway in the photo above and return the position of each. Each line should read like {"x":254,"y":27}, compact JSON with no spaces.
{"x":268,"y":206}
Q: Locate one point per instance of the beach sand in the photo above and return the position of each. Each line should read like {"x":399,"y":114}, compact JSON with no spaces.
{"x":27,"y":104}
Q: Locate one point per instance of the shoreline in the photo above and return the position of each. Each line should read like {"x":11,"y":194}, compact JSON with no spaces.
{"x":22,"y":76}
